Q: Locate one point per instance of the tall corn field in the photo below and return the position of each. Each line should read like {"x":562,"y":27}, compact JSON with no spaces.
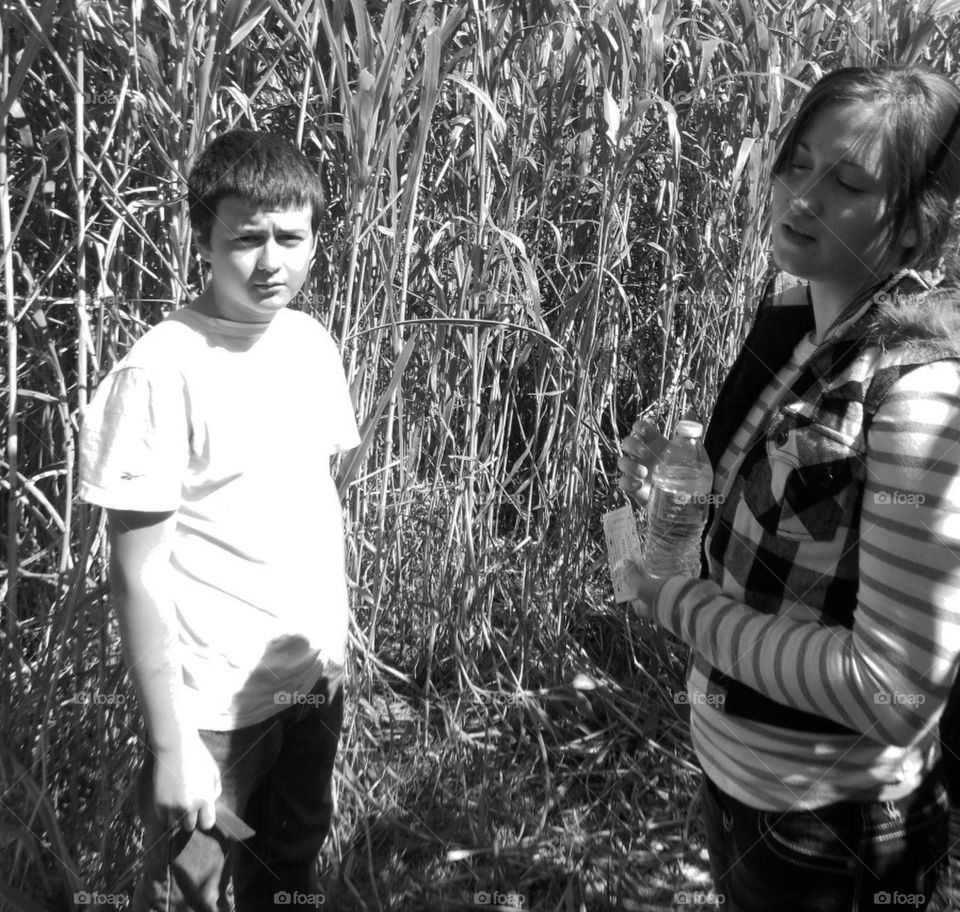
{"x":545,"y":218}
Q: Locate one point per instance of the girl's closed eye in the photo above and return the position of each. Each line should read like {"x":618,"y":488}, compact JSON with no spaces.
{"x":849,"y":186}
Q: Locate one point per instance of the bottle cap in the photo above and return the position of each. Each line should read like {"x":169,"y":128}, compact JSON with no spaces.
{"x":689,"y":429}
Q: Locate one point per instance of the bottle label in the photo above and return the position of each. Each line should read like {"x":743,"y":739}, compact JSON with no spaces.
{"x":623,"y":546}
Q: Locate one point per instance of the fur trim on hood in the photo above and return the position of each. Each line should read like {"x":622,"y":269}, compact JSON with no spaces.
{"x":923,"y":323}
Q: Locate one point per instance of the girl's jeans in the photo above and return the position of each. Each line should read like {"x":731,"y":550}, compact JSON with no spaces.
{"x":276,"y":776}
{"x":845,"y":857}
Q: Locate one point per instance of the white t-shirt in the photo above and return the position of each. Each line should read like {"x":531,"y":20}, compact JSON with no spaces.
{"x":232,"y":426}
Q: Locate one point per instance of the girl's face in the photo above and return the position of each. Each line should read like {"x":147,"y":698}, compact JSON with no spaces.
{"x":831,"y":219}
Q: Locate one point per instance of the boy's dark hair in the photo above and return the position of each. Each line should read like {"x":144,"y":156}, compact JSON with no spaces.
{"x":264,"y":170}
{"x":918,"y":129}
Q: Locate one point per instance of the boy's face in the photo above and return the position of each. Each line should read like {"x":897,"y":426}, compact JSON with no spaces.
{"x":258,"y":260}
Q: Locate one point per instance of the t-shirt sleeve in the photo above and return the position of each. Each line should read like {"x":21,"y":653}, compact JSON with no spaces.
{"x":134,"y":443}
{"x":339,"y":416}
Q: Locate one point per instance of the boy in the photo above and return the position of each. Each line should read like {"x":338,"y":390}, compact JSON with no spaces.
{"x":206,"y":444}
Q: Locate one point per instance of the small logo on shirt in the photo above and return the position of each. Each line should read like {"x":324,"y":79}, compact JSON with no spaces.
{"x":129,"y":476}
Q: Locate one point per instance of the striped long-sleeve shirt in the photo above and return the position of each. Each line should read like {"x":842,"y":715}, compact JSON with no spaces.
{"x":887,"y":517}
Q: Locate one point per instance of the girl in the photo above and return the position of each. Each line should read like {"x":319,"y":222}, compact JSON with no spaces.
{"x":826,"y":631}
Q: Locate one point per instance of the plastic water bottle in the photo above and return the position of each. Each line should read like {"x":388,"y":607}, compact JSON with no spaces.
{"x":677,"y":511}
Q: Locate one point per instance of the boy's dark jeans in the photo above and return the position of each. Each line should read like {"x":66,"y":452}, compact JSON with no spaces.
{"x":275,"y":775}
{"x":845,"y":857}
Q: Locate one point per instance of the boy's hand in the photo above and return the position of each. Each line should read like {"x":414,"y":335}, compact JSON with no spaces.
{"x":642,"y":450}
{"x":186,"y":786}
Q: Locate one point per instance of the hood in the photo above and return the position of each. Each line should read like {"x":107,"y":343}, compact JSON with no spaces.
{"x":920,"y":323}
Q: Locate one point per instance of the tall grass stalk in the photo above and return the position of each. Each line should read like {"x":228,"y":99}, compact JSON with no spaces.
{"x":12,"y":435}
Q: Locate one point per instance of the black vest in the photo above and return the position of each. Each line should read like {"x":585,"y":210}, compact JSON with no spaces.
{"x":927,"y":328}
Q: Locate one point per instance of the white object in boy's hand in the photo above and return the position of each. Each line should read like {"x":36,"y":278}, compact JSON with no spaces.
{"x":231,"y":826}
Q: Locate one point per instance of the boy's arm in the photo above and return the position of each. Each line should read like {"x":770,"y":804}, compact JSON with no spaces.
{"x":186,"y":780}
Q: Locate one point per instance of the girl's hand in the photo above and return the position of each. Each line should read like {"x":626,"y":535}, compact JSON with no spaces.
{"x":645,"y":590}
{"x":642,"y":450}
